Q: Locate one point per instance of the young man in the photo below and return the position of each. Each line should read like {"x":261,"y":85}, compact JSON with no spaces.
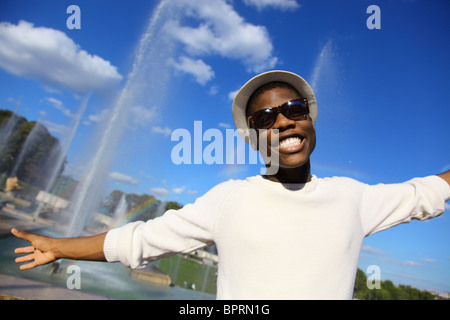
{"x":289,"y":235}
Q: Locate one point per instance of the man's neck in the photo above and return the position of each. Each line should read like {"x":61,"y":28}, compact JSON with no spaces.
{"x":300,"y":174}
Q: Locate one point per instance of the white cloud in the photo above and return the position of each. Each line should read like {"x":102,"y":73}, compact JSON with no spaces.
{"x":213,"y":90}
{"x":224,"y":125}
{"x":99,"y":116}
{"x":58,"y":104}
{"x":117,"y":176}
{"x":142,"y":116}
{"x":277,"y":4}
{"x":372,"y":250}
{"x":411,"y":264}
{"x":178,"y":190}
{"x":408,"y":263}
{"x":163,"y":192}
{"x":56,"y":128}
{"x":166,"y":131}
{"x":96,"y":117}
{"x":52,"y":58}
{"x":199,"y":69}
{"x":387,"y":259}
{"x":159,"y":192}
{"x":222,"y":31}
{"x":428,"y":260}
{"x":192,"y":192}
{"x":233,"y":94}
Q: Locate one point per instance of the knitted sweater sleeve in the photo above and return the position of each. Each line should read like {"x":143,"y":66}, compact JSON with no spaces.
{"x":386,"y":205}
{"x":176,"y":231}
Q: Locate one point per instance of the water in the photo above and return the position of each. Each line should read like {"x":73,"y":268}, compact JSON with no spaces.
{"x":32,"y":138}
{"x":7,"y":128}
{"x":147,"y":81}
{"x":323,"y":66}
{"x":120,"y":212}
{"x":60,"y":157}
{"x":107,"y":279}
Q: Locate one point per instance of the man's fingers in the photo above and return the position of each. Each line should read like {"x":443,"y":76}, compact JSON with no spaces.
{"x":25,"y":258}
{"x":28,"y":266}
{"x":20,"y":234}
{"x":29,"y":249}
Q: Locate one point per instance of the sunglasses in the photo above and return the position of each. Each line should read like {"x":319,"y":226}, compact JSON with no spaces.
{"x":297,"y":109}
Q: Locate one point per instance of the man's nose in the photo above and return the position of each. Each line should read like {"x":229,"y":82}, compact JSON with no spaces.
{"x":283,"y":122}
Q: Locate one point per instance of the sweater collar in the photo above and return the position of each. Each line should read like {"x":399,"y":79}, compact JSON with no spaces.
{"x":287,"y":186}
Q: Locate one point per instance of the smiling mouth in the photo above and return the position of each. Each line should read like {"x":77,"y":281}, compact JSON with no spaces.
{"x":291,"y":144}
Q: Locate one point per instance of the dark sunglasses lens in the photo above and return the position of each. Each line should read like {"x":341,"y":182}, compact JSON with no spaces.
{"x":295,"y":110}
{"x":264,"y":119}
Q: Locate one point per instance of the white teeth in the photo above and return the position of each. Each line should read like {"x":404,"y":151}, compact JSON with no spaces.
{"x":290,"y":142}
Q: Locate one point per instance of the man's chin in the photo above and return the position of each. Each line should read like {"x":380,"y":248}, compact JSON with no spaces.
{"x":292,"y":161}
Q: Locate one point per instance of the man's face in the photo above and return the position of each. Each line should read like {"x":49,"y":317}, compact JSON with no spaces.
{"x":297,"y":139}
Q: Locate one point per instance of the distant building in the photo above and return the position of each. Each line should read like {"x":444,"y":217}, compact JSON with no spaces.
{"x":56,"y":203}
{"x":206,"y":256}
{"x":445,"y":295}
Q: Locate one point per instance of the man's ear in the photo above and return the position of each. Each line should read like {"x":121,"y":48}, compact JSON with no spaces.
{"x":312,"y":122}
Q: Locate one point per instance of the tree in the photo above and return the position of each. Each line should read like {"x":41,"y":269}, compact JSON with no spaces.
{"x":388,"y":290}
{"x":360,"y":291}
{"x":173,"y":205}
{"x":391,"y":289}
{"x":28,"y":150}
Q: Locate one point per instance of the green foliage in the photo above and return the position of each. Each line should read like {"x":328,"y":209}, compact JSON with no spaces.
{"x":387,"y":291}
{"x":39,"y":156}
{"x":29,"y":146}
{"x":65,"y":187}
{"x":184,"y":270}
{"x":173,"y":205}
{"x":143,"y":207}
{"x":360,"y":291}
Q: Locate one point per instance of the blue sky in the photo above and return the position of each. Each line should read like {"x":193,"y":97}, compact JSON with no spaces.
{"x":382,"y":94}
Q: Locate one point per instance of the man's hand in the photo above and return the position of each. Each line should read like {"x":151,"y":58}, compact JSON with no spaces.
{"x":40,"y":250}
{"x":44,"y":250}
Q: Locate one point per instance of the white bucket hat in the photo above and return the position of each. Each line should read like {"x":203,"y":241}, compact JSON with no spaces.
{"x":240,"y":101}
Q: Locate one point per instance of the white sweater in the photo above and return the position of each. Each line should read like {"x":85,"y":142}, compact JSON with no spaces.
{"x":278,"y":241}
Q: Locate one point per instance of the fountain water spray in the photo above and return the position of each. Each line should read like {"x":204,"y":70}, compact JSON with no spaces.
{"x":147,"y":79}
{"x":7,"y":128}
{"x":120,"y":211}
{"x":32,"y":138}
{"x":60,"y":157}
{"x":322,"y":65}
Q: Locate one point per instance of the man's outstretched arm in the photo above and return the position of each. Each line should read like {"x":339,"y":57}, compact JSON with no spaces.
{"x":445,"y":176}
{"x":44,"y":250}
